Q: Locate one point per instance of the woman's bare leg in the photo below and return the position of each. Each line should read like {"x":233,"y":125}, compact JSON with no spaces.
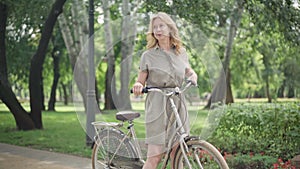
{"x":172,"y":156}
{"x":154,"y":156}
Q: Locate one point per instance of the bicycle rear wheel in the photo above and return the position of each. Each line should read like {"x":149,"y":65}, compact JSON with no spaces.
{"x":113,"y":150}
{"x":201,"y":155}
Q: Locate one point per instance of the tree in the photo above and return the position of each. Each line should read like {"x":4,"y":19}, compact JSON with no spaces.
{"x":119,"y":45}
{"x":24,"y":120}
{"x":214,"y":19}
{"x":291,"y":70}
{"x":271,"y":35}
{"x":75,"y":31}
{"x":267,"y":52}
{"x":128,"y":35}
{"x":55,"y":54}
{"x":211,"y":25}
{"x":220,"y":90}
{"x":110,"y":86}
{"x":37,"y":61}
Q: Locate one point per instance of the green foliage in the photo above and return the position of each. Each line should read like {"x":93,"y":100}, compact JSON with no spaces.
{"x":291,"y":69}
{"x":260,"y":54}
{"x":244,"y":132}
{"x":24,"y":23}
{"x":261,"y":27}
{"x":251,"y":162}
{"x":270,"y":128}
{"x":63,"y":132}
{"x":262,"y":21}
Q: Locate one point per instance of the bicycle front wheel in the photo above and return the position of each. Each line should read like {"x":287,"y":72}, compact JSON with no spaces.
{"x":200,"y":155}
{"x":113,"y":149}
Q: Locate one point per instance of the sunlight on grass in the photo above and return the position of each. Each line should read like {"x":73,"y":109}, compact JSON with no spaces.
{"x":197,"y":118}
{"x":3,"y":107}
{"x":63,"y":132}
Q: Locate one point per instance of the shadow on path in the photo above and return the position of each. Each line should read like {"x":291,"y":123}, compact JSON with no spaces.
{"x":16,"y":157}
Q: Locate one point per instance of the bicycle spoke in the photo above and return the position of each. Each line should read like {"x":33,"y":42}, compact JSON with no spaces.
{"x":112,"y":150}
{"x":200,"y":155}
{"x":197,"y":159}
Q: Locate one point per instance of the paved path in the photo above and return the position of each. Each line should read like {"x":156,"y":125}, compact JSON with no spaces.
{"x":15,"y":157}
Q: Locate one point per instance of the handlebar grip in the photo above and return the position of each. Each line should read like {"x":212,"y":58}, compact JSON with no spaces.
{"x":145,"y":90}
{"x":191,"y":82}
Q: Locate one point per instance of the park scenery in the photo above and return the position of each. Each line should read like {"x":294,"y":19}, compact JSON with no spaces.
{"x":67,"y":63}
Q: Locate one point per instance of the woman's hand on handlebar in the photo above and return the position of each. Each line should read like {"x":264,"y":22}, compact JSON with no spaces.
{"x":193,"y":79}
{"x":191,"y":76}
{"x":137,"y":88}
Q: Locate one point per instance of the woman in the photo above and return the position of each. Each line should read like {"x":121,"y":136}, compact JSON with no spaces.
{"x":164,"y":64}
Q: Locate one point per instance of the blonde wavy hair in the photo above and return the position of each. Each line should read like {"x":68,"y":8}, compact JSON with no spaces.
{"x":174,"y":35}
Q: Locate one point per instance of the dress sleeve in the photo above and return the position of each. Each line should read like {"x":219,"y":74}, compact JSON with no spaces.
{"x":185,"y":58}
{"x":143,"y":62}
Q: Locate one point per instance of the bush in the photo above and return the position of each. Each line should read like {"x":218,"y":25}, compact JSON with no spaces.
{"x":270,"y":128}
{"x":251,"y":162}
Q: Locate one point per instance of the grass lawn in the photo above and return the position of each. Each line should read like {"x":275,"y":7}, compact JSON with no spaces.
{"x":63,"y":132}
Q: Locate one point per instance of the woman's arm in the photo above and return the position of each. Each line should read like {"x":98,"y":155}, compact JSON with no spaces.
{"x":140,"y":83}
{"x":191,"y":75}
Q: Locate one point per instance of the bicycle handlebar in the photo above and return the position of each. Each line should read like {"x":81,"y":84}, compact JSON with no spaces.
{"x":175,"y":91}
{"x":145,"y":90}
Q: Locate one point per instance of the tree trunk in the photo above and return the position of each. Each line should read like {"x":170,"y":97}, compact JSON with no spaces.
{"x":291,"y":92}
{"x":22,"y":118}
{"x":110,"y":87}
{"x":3,"y":19}
{"x":266,"y":54}
{"x":218,"y":93}
{"x":37,"y":61}
{"x":74,"y":41}
{"x":127,"y":42}
{"x":68,"y":39}
{"x":229,"y":96}
{"x":268,"y":90}
{"x":42,"y":94}
{"x":78,"y":66}
{"x":222,"y":93}
{"x":52,"y":100}
{"x":65,"y":93}
{"x":280,"y":92}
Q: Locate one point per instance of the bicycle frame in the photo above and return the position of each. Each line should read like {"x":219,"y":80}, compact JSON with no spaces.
{"x":180,"y":131}
{"x":137,"y":147}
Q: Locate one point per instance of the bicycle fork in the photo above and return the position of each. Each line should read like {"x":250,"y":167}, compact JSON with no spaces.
{"x":182,"y":134}
{"x":136,"y":143}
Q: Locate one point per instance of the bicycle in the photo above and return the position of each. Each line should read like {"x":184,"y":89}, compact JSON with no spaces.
{"x":115,"y":149}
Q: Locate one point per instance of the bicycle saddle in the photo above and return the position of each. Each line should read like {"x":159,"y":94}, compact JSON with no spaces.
{"x":127,"y":115}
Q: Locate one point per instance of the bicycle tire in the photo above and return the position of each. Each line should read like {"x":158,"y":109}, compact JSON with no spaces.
{"x":206,"y":153}
{"x":106,"y":144}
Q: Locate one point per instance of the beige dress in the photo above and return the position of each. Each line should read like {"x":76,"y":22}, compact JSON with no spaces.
{"x":165,"y":70}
